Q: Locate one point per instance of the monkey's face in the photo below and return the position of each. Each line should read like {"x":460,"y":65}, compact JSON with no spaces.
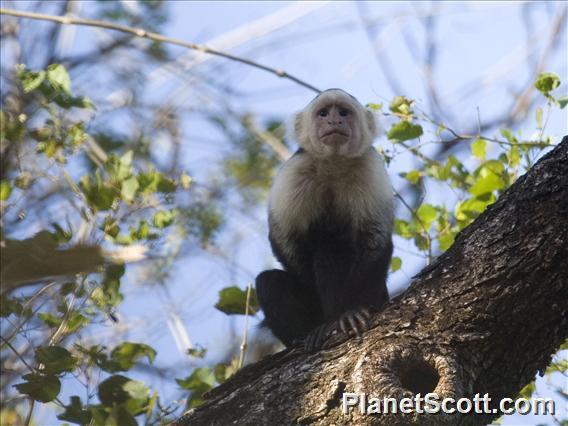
{"x":335,"y":124}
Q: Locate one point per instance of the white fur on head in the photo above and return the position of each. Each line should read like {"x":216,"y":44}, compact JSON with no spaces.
{"x":365,"y":129}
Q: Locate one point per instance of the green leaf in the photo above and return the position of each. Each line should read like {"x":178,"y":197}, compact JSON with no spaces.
{"x":58,"y":77}
{"x":514,"y":156}
{"x":562,"y":101}
{"x":43,"y":388}
{"x":547,"y":82}
{"x":401,"y":105}
{"x":478,"y":148}
{"x":110,"y":227}
{"x":120,"y":168}
{"x":129,"y":188}
{"x":136,"y":390}
{"x":111,"y":391}
{"x":125,"y":355}
{"x":402,"y":228}
{"x":396,"y":263}
{"x":507,"y":134}
{"x":119,"y":416}
{"x":527,"y":391}
{"x":163,"y":218}
{"x":185,"y":180}
{"x":23,"y":180}
{"x":421,"y":242}
{"x":412,"y":176}
{"x":165,"y":185}
{"x":49,"y":319}
{"x":426,"y":213}
{"x":75,"y":413}
{"x":76,"y":321}
{"x":374,"y":107}
{"x":82,"y":102}
{"x":61,"y":235}
{"x":488,"y":181}
{"x":100,"y":195}
{"x":404,"y":130}
{"x":224,"y":371}
{"x":200,"y":379}
{"x":143,"y":231}
{"x":132,"y":395}
{"x":560,"y":366}
{"x":148,"y":181}
{"x":445,"y":240}
{"x":232,"y":301}
{"x":126,"y":159}
{"x":31,"y":80}
{"x":470,"y":209}
{"x":55,"y":359}
{"x":9,"y":306}
{"x":198,"y":352}
{"x":5,"y":190}
{"x":76,"y":134}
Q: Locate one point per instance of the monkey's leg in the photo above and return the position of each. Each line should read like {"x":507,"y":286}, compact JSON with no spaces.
{"x":291,"y":308}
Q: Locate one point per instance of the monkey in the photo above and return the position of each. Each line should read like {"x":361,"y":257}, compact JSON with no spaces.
{"x":330,"y":216}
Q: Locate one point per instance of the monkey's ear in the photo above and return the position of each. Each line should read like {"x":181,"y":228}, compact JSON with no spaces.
{"x":371,"y":123}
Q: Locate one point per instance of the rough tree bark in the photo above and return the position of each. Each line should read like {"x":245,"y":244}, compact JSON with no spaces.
{"x":485,"y":317}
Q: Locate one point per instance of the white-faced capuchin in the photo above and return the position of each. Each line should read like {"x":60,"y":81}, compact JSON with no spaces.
{"x":331,"y":221}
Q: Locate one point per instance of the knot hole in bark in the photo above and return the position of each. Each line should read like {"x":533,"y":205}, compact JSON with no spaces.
{"x":419,"y":377}
{"x":411,"y":371}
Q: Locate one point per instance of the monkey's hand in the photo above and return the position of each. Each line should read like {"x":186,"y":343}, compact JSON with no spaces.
{"x":316,"y":338}
{"x":355,"y":321}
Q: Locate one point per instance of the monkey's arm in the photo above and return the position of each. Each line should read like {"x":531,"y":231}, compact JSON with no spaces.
{"x":352,"y":274}
{"x":351,"y":282}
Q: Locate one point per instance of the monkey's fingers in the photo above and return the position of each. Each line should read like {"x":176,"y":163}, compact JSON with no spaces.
{"x":348,"y":324}
{"x":366,"y":312}
{"x":363,"y":317}
{"x":355,"y":321}
{"x":343,"y":325}
{"x":315,"y":338}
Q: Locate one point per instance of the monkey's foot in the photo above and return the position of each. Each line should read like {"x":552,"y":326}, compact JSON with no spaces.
{"x":316,"y":338}
{"x":355,"y":321}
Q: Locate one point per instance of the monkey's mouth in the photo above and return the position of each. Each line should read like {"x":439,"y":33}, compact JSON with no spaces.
{"x":335,"y":132}
{"x":334,"y":137}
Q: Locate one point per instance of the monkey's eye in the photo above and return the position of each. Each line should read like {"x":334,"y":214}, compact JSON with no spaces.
{"x":322,"y":113}
{"x":344,"y":112}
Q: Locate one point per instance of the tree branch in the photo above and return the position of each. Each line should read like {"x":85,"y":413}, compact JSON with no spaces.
{"x":484,"y":317}
{"x":142,"y":33}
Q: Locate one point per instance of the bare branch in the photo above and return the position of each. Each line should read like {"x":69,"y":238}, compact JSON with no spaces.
{"x":142,"y":33}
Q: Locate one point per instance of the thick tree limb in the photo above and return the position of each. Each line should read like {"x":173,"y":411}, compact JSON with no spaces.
{"x":485,"y":317}
{"x":36,"y":259}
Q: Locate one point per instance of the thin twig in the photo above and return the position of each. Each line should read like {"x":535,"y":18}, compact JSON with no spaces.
{"x":28,"y":420}
{"x":415,"y":215}
{"x":33,"y":370}
{"x":142,"y":33}
{"x":245,"y":333}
